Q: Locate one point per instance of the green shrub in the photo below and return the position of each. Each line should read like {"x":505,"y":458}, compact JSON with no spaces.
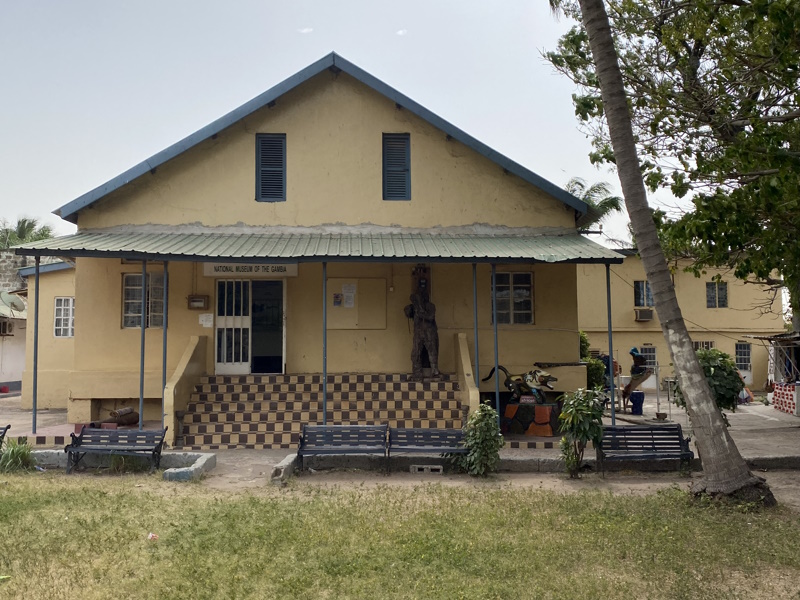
{"x":581,"y":422}
{"x":722,"y":377}
{"x":595,"y":373}
{"x":483,"y":439}
{"x":16,"y":457}
{"x":584,"y":345}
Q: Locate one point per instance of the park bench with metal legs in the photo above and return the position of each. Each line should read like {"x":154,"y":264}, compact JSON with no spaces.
{"x":3,"y":435}
{"x":116,"y":442}
{"x":426,"y":441}
{"x":643,"y":442}
{"x":342,"y":439}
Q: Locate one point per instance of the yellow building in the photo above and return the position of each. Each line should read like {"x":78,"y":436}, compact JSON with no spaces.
{"x":719,"y":314}
{"x":286,"y":238}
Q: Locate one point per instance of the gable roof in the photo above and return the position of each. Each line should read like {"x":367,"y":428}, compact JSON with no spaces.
{"x":333,"y":61}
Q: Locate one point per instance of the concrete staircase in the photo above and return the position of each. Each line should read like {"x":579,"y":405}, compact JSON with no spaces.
{"x":268,"y":411}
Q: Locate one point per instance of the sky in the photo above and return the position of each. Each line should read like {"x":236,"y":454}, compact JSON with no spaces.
{"x":91,"y":88}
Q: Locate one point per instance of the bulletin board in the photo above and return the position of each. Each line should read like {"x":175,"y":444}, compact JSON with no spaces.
{"x":356,"y":303}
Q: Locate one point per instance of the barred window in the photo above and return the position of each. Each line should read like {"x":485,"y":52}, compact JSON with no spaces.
{"x":703,"y":345}
{"x":649,"y":352}
{"x":64,"y":317}
{"x":514,"y":298}
{"x":132,"y":295}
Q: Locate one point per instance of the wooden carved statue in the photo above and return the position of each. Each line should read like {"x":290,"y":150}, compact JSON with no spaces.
{"x":426,"y":334}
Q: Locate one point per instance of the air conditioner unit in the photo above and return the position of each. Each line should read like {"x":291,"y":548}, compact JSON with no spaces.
{"x":644,"y":314}
{"x":6,"y":328}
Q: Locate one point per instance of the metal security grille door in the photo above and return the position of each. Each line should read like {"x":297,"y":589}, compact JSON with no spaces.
{"x":233,"y":327}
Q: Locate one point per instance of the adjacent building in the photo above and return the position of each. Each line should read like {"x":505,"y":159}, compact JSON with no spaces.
{"x":720,"y":312}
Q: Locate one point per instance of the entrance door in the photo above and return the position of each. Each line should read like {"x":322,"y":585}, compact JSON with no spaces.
{"x":267,"y":326}
{"x":233,"y":327}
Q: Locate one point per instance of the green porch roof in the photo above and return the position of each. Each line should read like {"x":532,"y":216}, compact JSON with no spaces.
{"x":337,"y":245}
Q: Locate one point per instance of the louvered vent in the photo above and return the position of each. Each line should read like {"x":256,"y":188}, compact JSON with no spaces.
{"x":396,"y":166}
{"x":271,"y":167}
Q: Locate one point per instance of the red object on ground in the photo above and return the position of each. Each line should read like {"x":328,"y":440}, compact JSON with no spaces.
{"x":3,"y":389}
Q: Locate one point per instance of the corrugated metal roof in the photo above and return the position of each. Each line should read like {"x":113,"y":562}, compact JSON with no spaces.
{"x":311,"y":246}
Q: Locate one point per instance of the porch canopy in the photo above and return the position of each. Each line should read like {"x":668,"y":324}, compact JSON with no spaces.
{"x":306,"y":244}
{"x":364,"y":243}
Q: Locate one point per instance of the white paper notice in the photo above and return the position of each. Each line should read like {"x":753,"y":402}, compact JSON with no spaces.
{"x":207,"y":320}
{"x":349,"y":300}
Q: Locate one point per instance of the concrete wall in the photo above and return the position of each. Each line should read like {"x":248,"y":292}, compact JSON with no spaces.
{"x":723,"y":326}
{"x":10,"y":263}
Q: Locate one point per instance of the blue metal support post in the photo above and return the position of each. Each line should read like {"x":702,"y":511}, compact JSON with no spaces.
{"x":164,"y":344}
{"x":610,"y":346}
{"x":496,"y":357}
{"x":141,"y":353}
{"x":476,"y":367}
{"x":324,"y":343}
{"x":35,"y":344}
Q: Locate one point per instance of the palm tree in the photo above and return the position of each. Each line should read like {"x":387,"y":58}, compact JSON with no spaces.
{"x":598,"y":196}
{"x":724,"y":471}
{"x":24,"y":230}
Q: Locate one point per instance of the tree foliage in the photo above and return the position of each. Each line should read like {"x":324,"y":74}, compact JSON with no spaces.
{"x":714,"y":92}
{"x":24,"y":230}
{"x":597,"y":195}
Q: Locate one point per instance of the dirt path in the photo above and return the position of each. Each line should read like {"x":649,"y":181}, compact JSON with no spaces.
{"x":241,"y":470}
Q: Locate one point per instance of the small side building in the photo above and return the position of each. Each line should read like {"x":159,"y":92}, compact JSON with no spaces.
{"x":723,"y":314}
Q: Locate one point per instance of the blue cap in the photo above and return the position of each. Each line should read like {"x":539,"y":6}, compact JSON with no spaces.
{"x":634,"y":351}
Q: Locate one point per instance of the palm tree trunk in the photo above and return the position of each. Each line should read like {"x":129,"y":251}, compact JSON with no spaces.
{"x":724,"y":470}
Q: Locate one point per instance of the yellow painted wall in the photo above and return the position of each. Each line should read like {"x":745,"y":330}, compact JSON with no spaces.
{"x":333,"y":126}
{"x":55,"y":353}
{"x":723,"y":326}
{"x":106,"y":359}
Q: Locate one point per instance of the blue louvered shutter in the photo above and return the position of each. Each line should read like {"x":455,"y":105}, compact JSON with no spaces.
{"x":396,"y":166}
{"x":271,"y":167}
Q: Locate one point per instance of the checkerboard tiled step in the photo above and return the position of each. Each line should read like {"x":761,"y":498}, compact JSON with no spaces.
{"x":270,"y":412}
{"x":448,"y":402}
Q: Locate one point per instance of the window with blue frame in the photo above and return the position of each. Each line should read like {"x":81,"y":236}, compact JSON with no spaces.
{"x":271,"y":167}
{"x":396,"y":166}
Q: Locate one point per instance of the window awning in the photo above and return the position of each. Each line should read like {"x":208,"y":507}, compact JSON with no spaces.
{"x":335,"y":244}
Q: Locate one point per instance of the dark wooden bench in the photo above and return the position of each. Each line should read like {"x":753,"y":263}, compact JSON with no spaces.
{"x":643,"y":442}
{"x":342,"y":439}
{"x":426,"y":441}
{"x":116,"y":442}
{"x":3,"y":435}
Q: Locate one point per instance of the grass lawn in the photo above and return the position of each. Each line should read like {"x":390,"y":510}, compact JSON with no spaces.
{"x":85,"y":536}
